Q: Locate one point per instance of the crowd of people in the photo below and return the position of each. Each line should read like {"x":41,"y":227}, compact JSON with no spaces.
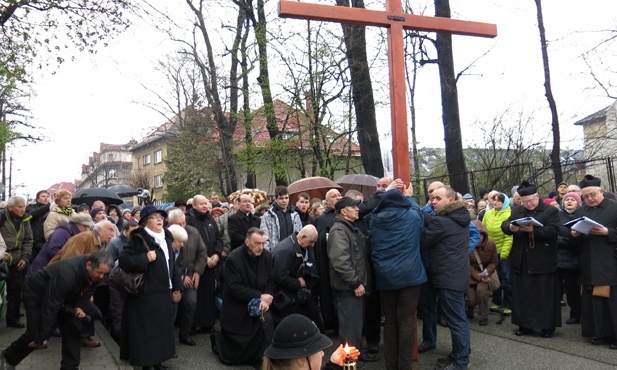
{"x":345,"y":264}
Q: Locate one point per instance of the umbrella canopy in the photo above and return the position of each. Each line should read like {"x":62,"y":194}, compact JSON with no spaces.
{"x":258,"y":196}
{"x":365,"y":184}
{"x":90,"y":195}
{"x":165,"y":206}
{"x":124,"y":190}
{"x":316,"y":187}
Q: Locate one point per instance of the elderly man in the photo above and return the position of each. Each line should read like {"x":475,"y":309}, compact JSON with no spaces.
{"x":248,"y":281}
{"x":193,"y":258}
{"x":200,"y":218}
{"x":240,"y":222}
{"x":350,"y":273}
{"x":17,"y":234}
{"x":52,"y":295}
{"x":280,"y":220}
{"x":293,"y":277}
{"x":87,"y":242}
{"x":536,"y":293}
{"x":446,"y":237}
{"x":598,"y":266}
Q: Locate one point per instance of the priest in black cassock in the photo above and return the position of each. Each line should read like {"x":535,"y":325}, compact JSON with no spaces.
{"x":598,"y":261}
{"x":533,"y":260}
{"x":246,"y":324}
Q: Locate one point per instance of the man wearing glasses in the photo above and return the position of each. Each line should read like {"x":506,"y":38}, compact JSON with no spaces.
{"x":533,"y":263}
{"x":598,"y":265}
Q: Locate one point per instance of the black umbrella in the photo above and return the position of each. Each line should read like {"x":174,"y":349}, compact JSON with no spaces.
{"x":124,"y":190}
{"x":90,"y":195}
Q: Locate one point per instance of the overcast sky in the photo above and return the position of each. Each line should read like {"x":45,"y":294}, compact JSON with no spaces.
{"x":97,"y":98}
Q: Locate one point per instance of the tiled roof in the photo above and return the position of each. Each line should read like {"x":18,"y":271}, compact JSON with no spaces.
{"x":595,"y":117}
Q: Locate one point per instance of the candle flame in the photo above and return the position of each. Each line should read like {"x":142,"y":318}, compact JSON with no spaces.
{"x":346,"y":349}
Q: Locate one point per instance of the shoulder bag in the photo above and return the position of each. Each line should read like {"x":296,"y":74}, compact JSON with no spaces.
{"x":493,"y":282}
{"x":128,"y":282}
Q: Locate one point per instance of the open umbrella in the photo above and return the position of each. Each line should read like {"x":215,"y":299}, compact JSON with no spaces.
{"x":365,"y":184}
{"x":124,"y":190}
{"x":315,"y":187}
{"x":88,"y":196}
{"x":258,"y":196}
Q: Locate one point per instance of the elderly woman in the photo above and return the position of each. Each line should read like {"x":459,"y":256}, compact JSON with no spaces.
{"x":147,"y":337}
{"x":482,"y":264}
{"x":60,"y":210}
{"x":568,"y":253}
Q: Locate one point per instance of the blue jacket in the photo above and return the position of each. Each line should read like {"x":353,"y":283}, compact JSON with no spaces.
{"x":395,"y":230}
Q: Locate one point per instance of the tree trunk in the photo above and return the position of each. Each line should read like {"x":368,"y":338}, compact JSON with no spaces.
{"x":455,"y":159}
{"x":555,"y":152}
{"x":364,"y":102}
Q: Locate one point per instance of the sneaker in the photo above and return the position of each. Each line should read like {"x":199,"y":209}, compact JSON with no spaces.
{"x":495,"y":308}
{"x":506,"y":312}
{"x":444,"y":362}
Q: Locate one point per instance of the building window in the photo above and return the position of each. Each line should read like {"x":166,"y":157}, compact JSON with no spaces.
{"x":146,"y":159}
{"x":158,"y":156}
{"x":111,"y":173}
{"x":110,"y":157}
{"x":158,"y":181}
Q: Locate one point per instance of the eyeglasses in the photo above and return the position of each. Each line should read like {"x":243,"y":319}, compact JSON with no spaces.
{"x":529,"y":201}
{"x":589,"y":195}
{"x":156,"y":217}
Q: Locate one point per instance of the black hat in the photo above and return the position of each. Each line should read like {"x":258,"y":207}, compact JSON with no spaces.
{"x":82,"y":207}
{"x":147,"y":211}
{"x":296,"y":336}
{"x":526,"y":188}
{"x":179,"y":203}
{"x":589,"y":180}
{"x":345,"y":202}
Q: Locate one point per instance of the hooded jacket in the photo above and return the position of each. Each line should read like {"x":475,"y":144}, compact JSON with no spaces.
{"x":492,"y":221}
{"x":395,"y":230}
{"x":447,"y":239}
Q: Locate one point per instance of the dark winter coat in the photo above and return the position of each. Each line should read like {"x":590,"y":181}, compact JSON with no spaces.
{"x":541,"y":252}
{"x":568,"y":249}
{"x":17,"y":236}
{"x":237,"y":226}
{"x":446,"y":238}
{"x":147,"y":328}
{"x":597,"y":258}
{"x":246,"y":277}
{"x":208,"y":229}
{"x":288,"y":258}
{"x":395,"y":231}
{"x":51,"y":287}
{"x":349,"y":257}
{"x":194,"y":254}
{"x":39,"y":213}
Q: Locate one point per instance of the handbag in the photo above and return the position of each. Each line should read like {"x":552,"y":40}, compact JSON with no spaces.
{"x":128,"y":282}
{"x":493,"y":279}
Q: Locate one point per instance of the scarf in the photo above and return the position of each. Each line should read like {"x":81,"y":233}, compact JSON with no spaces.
{"x":66,"y":210}
{"x":159,"y":238}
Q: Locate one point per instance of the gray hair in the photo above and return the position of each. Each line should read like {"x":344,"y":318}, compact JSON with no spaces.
{"x":175,"y":216}
{"x":12,"y":202}
{"x":99,"y":225}
{"x":178,"y":233}
{"x":100,"y":258}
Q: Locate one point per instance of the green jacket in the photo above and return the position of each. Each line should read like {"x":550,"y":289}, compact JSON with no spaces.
{"x":492,"y":222}
{"x":18,"y":238}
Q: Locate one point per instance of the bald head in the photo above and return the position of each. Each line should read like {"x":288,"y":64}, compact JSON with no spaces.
{"x":331,"y":197}
{"x":434,"y":185}
{"x":307,"y":236}
{"x":383,"y":183}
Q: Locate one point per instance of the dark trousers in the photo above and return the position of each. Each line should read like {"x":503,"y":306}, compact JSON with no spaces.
{"x":350,"y":311}
{"x":503,"y":296}
{"x":188,"y":305}
{"x":427,"y":310}
{"x":399,"y":308}
{"x":372,"y":318}
{"x":452,"y":303}
{"x":14,"y":284}
{"x":571,"y":284}
{"x":71,"y":346}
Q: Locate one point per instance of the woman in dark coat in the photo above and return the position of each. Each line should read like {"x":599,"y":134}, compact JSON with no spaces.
{"x":147,"y":337}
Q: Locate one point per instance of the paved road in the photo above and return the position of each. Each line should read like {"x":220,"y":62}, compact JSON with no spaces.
{"x":493,"y":347}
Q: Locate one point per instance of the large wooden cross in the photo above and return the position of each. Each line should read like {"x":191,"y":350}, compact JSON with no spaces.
{"x":396,"y":21}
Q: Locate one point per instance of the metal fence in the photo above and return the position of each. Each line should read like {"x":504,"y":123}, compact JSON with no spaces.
{"x":505,"y":177}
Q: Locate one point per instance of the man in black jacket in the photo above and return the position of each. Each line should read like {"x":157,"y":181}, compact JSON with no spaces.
{"x":293,"y":277}
{"x":240,"y":222}
{"x":39,"y":212}
{"x":446,"y":237}
{"x":200,"y":218}
{"x":51,"y":295}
